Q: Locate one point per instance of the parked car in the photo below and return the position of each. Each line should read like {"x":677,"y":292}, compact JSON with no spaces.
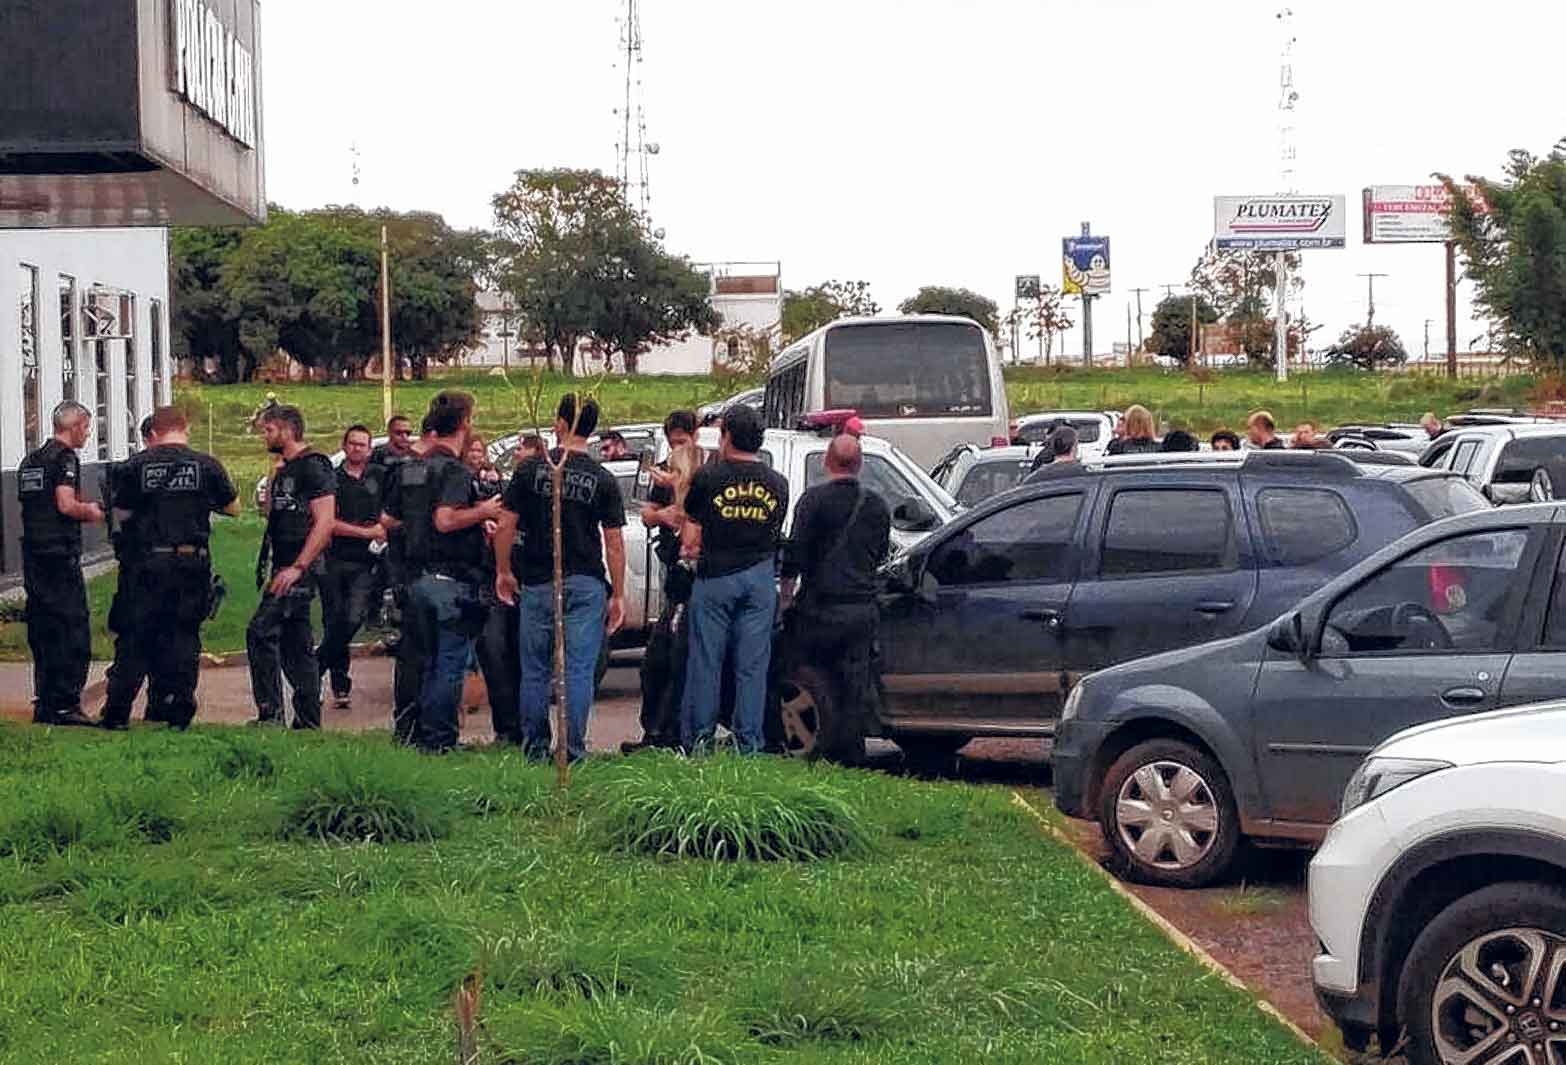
{"x":988,"y":623}
{"x":709,"y":413}
{"x":1179,"y":756}
{"x":972,"y":474}
{"x":1095,"y":429}
{"x":1439,"y":899}
{"x":1409,"y":438}
{"x":1508,"y":463}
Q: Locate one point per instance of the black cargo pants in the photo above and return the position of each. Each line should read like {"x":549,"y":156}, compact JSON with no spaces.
{"x":839,"y":639}
{"x":166,"y":603}
{"x":57,"y":632}
{"x":347,"y":597}
{"x":279,"y":642}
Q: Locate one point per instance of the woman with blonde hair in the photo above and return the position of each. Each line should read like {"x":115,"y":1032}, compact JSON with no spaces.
{"x":1138,"y":437}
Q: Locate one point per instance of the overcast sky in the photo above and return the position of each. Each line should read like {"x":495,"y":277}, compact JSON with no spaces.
{"x":912,"y":142}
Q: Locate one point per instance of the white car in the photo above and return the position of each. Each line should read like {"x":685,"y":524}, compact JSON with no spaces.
{"x":1095,"y":429}
{"x":1439,"y":898}
{"x":1508,"y":463}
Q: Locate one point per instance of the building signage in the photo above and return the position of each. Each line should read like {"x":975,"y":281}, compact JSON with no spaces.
{"x":1085,"y":266}
{"x":1412,"y":214}
{"x":1026,"y":287}
{"x":1279,"y":223}
{"x":212,"y":69}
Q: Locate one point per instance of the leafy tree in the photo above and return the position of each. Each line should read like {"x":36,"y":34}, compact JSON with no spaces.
{"x":203,"y":324}
{"x":1045,"y":315}
{"x":434,"y":287}
{"x":1516,"y":252}
{"x":1368,"y":347}
{"x":557,"y":228}
{"x":938,"y":299}
{"x":1241,"y":287}
{"x":649,"y":297}
{"x":804,"y":312}
{"x":1171,"y":335}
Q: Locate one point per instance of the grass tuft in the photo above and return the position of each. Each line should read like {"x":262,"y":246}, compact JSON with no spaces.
{"x":541,"y":964}
{"x":785,"y":1009}
{"x":612,"y":1030}
{"x":728,"y":809}
{"x":343,"y":796}
{"x":243,"y":756}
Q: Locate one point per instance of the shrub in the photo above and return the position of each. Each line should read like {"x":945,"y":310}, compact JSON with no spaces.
{"x":338,"y":797}
{"x":728,"y":809}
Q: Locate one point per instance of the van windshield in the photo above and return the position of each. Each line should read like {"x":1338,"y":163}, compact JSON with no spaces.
{"x":908,"y":370}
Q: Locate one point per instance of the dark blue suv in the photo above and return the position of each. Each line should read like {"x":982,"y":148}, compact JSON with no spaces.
{"x":989,"y":622}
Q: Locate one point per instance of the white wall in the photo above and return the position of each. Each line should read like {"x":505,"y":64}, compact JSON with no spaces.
{"x":133,"y":260}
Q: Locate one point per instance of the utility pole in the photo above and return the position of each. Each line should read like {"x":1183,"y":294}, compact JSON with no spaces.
{"x":1451,"y":309}
{"x":1370,"y":306}
{"x":1138,"y":292}
{"x":1129,"y":348}
{"x":386,"y":351}
{"x":1427,"y":338}
{"x":1287,"y":98}
{"x":1087,"y":314}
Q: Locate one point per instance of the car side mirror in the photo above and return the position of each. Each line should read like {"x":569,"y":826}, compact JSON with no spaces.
{"x":1288,"y":636}
{"x":914,"y":515}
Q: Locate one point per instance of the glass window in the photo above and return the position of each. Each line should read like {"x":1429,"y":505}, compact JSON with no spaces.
{"x":1555,"y":623}
{"x":132,"y":401}
{"x":1031,"y":541}
{"x":908,"y":370}
{"x":986,"y":479}
{"x":1463,"y":457}
{"x":160,"y":382}
{"x":101,"y":322}
{"x":1444,"y":497}
{"x":878,"y":475}
{"x":1168,"y":531}
{"x":1521,"y":458}
{"x":68,"y":337}
{"x":1304,"y":524}
{"x":32,"y":414}
{"x":1037,"y":431}
{"x":1450,"y":596}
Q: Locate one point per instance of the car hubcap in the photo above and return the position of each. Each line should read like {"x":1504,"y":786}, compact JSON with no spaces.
{"x":1541,"y":489}
{"x":1166,"y":815}
{"x":801,"y":720}
{"x":1502,"y":1001}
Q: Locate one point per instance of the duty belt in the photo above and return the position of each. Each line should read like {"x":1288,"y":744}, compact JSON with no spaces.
{"x":181,"y":550}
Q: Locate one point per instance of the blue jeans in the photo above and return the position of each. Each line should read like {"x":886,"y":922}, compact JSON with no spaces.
{"x":586,"y":603}
{"x":444,"y":610}
{"x":730,"y":614}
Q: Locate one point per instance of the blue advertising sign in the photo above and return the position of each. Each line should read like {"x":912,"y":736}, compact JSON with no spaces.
{"x":1085,"y":264}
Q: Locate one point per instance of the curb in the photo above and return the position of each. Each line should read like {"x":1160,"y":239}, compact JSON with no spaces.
{"x":1173,"y":934}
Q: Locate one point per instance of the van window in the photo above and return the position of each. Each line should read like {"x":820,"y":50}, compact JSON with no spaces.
{"x":1302,"y":525}
{"x":1162,"y":530}
{"x":1463,"y":457}
{"x":908,"y":370}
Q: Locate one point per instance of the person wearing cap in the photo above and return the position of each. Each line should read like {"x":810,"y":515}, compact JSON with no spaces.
{"x":1057,"y":458}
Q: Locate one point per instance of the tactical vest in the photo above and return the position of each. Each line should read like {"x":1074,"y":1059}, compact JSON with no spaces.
{"x":418,"y":515}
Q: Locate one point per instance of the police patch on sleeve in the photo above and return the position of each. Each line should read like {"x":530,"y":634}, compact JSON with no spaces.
{"x":31,"y":479}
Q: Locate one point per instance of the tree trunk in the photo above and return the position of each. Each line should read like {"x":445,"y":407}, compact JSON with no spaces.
{"x":632,"y":363}
{"x":421,"y":365}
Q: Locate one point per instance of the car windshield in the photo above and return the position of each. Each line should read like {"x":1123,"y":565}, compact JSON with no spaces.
{"x":1445,"y":497}
{"x":908,"y":370}
{"x":988,"y":479}
{"x":1037,"y":431}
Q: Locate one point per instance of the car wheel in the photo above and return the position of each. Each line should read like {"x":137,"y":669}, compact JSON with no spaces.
{"x":1486,"y":980}
{"x":807,"y":708}
{"x":1541,"y":488}
{"x":1168,"y":813}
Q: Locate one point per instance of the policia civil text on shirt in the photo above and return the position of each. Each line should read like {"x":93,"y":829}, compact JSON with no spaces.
{"x":301,"y":512}
{"x":169,"y":493}
{"x":593,"y":605}
{"x":349,"y":582}
{"x":445,"y":546}
{"x":48,"y":485}
{"x":734,"y":516}
{"x":842,"y":533}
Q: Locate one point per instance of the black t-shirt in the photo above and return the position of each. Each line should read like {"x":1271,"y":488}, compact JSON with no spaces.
{"x":172,"y":492}
{"x":460,"y":553}
{"x":590,"y":497}
{"x":1275,"y":444}
{"x":45,"y":531}
{"x":303,"y":479}
{"x":740,"y":507}
{"x":666,"y":541}
{"x":836,"y":560}
{"x":358,"y":503}
{"x":384,"y":457}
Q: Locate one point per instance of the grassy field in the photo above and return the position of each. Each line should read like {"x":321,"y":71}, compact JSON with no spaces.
{"x":242,"y":896}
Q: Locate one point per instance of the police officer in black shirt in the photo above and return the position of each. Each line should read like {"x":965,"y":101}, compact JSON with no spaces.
{"x":168,"y":493}
{"x":400,"y":447}
{"x":445,"y":599}
{"x":122,"y":682}
{"x":349,"y":581}
{"x":48,"y":483}
{"x":406,"y":490}
{"x":301,"y":515}
{"x":842,"y":533}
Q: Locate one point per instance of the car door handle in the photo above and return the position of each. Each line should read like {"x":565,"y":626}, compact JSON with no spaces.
{"x":1463,"y":696}
{"x":1050,"y":618}
{"x":1215,"y":606}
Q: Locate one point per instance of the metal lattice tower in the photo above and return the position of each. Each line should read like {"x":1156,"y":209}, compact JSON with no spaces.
{"x":633,"y":149}
{"x":1287,"y":98}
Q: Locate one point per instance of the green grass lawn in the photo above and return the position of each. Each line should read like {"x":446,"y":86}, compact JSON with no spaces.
{"x":241,"y":896}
